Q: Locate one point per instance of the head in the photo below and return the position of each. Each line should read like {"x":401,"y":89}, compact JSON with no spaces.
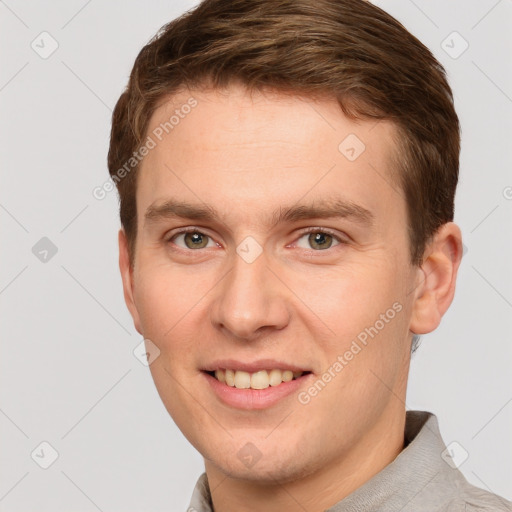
{"x":311,"y":150}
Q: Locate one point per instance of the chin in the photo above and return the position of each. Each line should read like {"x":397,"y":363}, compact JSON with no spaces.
{"x":277,"y":467}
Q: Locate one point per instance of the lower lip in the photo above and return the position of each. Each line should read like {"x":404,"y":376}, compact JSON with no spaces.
{"x":255,"y":398}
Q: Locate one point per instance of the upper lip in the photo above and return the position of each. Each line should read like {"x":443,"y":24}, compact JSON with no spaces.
{"x":253,"y":366}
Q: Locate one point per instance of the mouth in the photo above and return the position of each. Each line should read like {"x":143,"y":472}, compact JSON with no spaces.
{"x":260,"y":379}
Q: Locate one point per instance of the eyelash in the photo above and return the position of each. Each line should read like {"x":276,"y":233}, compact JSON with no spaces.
{"x":307,"y":231}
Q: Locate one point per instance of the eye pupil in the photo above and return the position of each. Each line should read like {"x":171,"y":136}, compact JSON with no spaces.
{"x":318,"y":239}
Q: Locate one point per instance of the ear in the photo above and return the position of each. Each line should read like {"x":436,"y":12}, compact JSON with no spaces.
{"x":127,"y":277}
{"x":436,"y":279}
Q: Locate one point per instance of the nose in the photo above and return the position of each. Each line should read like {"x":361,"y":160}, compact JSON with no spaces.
{"x":250,"y":301}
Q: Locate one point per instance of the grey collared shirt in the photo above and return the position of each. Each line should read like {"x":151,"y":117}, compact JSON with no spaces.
{"x":422,"y":478}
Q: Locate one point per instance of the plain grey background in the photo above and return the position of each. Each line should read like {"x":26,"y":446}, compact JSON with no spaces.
{"x":68,"y":374}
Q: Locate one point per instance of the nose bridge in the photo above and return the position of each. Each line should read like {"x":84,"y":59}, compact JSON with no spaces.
{"x":249,"y":297}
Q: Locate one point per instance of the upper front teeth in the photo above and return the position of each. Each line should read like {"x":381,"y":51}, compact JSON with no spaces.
{"x":258,"y":380}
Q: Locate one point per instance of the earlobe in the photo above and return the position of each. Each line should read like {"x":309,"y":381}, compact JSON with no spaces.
{"x":127,"y":277}
{"x":436,"y":279}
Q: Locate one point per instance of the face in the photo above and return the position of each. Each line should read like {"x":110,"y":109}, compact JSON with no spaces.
{"x":272,"y":240}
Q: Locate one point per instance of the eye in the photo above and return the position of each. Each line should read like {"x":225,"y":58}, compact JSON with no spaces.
{"x":192,"y":238}
{"x":319,"y":239}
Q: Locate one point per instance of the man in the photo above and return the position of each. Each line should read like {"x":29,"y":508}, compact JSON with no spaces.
{"x":286,"y":172}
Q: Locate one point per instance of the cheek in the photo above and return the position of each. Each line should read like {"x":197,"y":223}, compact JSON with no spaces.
{"x":350,"y":298}
{"x":367,"y":316}
{"x":166,"y":298}
{"x":366,"y":343}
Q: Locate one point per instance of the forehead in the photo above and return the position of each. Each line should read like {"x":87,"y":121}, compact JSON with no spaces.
{"x":253,"y":152}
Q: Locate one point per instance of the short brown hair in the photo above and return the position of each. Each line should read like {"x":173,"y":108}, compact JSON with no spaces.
{"x":349,"y":50}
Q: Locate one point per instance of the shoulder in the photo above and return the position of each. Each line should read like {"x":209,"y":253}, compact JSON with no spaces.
{"x":473,"y":499}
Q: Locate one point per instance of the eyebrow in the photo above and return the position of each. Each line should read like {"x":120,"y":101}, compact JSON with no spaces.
{"x":326,"y":209}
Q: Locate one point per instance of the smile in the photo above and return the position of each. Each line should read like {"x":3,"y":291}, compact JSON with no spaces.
{"x":261,"y":379}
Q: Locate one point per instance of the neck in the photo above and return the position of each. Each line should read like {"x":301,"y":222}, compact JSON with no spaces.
{"x":319,"y":490}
